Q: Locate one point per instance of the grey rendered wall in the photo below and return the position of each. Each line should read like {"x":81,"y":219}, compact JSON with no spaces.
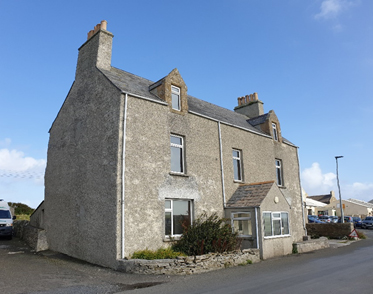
{"x":148,"y":180}
{"x":82,"y":175}
{"x":292,"y":191}
{"x":258,"y":160}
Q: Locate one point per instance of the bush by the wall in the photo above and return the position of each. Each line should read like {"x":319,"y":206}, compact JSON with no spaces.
{"x":207,"y":234}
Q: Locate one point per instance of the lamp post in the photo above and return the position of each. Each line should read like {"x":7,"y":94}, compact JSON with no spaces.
{"x":339,"y":190}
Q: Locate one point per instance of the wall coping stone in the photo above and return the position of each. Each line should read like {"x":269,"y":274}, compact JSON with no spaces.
{"x":187,"y":265}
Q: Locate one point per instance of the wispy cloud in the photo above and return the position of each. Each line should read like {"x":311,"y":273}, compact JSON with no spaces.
{"x":316,"y":182}
{"x":330,"y":9}
{"x":21,"y":176}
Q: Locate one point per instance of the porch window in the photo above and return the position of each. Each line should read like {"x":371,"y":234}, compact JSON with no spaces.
{"x":241,"y":223}
{"x":276,"y":224}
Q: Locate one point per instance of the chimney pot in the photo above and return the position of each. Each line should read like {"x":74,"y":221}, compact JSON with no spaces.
{"x":103,"y":25}
{"x":256,"y":96}
{"x":90,"y":34}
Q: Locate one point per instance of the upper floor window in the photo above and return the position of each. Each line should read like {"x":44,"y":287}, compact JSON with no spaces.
{"x":175,"y":93}
{"x":279,"y":177}
{"x":177,"y":154}
{"x":237,"y":166}
{"x":275,"y":134}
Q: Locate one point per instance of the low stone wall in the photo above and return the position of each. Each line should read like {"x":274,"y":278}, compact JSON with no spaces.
{"x":34,"y":237}
{"x":332,"y":230}
{"x":310,"y":245}
{"x":190,"y":264}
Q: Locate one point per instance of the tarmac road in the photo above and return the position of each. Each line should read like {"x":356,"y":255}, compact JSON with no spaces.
{"x":345,"y":269}
{"x":24,"y":271}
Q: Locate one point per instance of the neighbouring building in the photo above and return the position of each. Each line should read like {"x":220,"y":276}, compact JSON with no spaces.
{"x":351,"y":207}
{"x":130,"y":159}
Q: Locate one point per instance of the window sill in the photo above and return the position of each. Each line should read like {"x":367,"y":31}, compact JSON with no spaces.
{"x":238,"y":182}
{"x":178,"y":174}
{"x":169,"y":239}
{"x":275,"y":237}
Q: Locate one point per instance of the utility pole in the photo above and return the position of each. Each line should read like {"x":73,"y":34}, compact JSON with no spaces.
{"x":339,"y":190}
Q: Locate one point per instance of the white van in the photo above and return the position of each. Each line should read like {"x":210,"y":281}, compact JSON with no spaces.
{"x":6,"y":220}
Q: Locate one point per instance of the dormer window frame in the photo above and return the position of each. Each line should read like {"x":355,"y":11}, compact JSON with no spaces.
{"x":274,"y":131}
{"x":175,"y":98}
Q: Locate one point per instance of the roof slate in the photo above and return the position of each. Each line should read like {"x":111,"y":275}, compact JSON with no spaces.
{"x":136,"y":85}
{"x":250,"y":195}
{"x":322,"y":198}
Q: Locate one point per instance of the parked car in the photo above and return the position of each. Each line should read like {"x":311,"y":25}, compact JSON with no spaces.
{"x":312,"y":219}
{"x":357,"y":222}
{"x":367,"y":223}
{"x":334,"y":219}
{"x":325,"y":218}
{"x":347,"y":219}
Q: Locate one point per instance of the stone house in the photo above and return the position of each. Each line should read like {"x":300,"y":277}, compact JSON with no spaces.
{"x":129,"y":159}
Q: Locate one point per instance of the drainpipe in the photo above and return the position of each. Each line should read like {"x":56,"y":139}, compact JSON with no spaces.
{"x":221,"y":165}
{"x":301,"y":197}
{"x":256,"y":228}
{"x":123,"y":167}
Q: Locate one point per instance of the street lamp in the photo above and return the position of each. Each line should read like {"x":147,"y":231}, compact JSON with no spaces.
{"x":339,"y":189}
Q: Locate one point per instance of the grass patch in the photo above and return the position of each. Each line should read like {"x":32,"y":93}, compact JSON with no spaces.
{"x":162,"y":253}
{"x":23,"y":217}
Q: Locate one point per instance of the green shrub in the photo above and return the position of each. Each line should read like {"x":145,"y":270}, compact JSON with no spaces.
{"x":162,"y":253}
{"x":205,"y":235}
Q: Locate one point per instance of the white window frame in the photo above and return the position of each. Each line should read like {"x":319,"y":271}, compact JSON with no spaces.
{"x":248,"y":218}
{"x":172,"y":215}
{"x":181,"y":147}
{"x":274,"y":217}
{"x":279,"y":174}
{"x":275,"y":133}
{"x":175,"y":91}
{"x":239,"y":160}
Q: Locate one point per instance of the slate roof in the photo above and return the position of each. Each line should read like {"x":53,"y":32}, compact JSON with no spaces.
{"x":258,"y":120}
{"x":250,"y":195}
{"x":322,"y":198}
{"x":134,"y":84}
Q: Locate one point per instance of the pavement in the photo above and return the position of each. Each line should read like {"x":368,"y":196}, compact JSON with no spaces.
{"x":334,"y":243}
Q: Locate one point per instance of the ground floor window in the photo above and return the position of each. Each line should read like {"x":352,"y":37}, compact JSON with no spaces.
{"x":178,"y":213}
{"x":241,"y":223}
{"x":276,"y":223}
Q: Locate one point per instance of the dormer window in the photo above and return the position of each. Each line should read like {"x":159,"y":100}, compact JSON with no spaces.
{"x":175,"y":93}
{"x":274,"y":130}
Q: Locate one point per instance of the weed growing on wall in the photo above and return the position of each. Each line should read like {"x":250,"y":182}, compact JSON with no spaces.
{"x":207,"y":234}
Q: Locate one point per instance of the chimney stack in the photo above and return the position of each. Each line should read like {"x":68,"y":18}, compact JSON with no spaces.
{"x":100,"y":26}
{"x":250,"y":105}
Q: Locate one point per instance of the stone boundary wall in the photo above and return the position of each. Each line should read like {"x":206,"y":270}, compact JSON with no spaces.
{"x":190,"y":264}
{"x":332,"y":230}
{"x":311,"y":245}
{"x":33,"y":237}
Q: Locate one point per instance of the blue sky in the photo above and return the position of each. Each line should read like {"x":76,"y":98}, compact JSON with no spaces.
{"x":310,"y":61}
